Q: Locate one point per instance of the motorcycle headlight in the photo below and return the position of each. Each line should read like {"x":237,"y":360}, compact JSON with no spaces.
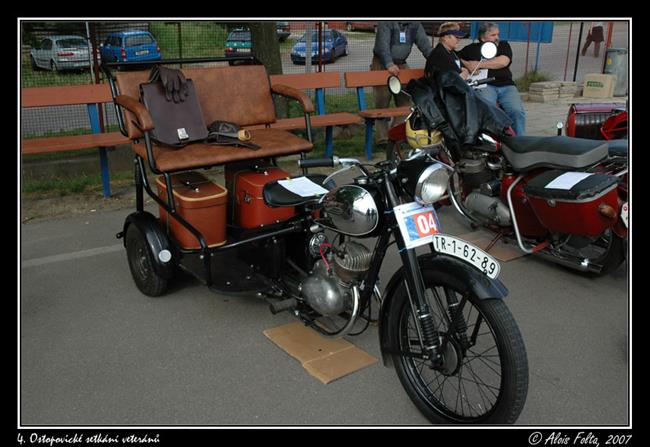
{"x":432,"y":184}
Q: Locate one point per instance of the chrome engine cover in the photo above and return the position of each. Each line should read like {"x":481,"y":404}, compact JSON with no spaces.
{"x":323,"y":293}
{"x":330,"y":293}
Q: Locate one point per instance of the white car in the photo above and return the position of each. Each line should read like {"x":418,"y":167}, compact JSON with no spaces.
{"x":58,"y":53}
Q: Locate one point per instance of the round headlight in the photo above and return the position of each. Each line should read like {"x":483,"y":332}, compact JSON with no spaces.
{"x":432,"y":184}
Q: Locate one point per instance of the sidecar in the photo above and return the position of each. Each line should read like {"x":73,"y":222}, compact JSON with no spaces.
{"x":586,"y":120}
{"x":233,"y":236}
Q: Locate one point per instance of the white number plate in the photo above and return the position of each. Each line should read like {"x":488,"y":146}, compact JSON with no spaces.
{"x":417,"y":223}
{"x":625,"y":211}
{"x":141,"y":53}
{"x":243,"y":50}
{"x":452,"y":246}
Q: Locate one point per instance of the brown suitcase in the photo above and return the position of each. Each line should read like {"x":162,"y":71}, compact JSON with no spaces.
{"x":249,"y":208}
{"x":200,"y":202}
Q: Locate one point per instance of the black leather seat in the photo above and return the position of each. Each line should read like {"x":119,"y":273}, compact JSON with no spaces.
{"x":277,"y":195}
{"x":528,"y":152}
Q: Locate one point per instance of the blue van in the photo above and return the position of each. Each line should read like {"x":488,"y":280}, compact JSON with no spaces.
{"x":130,"y":46}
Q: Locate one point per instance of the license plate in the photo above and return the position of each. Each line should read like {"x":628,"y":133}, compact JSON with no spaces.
{"x":458,"y":248}
{"x":141,"y":53}
{"x":417,"y":223}
{"x":625,"y":211}
{"x":243,"y":50}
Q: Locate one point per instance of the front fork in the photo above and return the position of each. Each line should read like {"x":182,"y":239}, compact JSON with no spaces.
{"x":415,"y":290}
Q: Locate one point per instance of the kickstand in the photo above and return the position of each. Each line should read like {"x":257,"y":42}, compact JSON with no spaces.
{"x":494,"y":241}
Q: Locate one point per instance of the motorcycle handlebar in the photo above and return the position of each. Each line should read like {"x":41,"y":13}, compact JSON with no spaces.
{"x":318,"y":162}
{"x":481,"y":81}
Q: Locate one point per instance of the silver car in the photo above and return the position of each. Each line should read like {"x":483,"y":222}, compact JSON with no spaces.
{"x":58,"y":53}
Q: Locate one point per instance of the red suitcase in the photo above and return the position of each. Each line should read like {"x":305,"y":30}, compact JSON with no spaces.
{"x":249,"y":209}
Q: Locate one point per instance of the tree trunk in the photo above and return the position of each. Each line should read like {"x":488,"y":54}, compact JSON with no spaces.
{"x":267,"y":49}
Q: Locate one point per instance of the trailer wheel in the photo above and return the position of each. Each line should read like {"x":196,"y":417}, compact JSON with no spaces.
{"x":141,"y":263}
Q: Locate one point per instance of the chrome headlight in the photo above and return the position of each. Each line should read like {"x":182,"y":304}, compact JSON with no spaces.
{"x":432,"y":184}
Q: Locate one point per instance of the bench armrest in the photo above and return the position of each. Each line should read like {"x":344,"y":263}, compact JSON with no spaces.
{"x":138,"y":109}
{"x":296,"y":94}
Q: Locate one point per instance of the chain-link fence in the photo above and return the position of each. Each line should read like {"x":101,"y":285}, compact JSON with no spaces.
{"x":66,"y":53}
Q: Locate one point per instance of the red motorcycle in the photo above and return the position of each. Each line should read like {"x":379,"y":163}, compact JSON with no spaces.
{"x":563,"y":198}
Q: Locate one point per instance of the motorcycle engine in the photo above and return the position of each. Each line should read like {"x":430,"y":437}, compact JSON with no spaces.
{"x":329,"y":291}
{"x":480,"y":173}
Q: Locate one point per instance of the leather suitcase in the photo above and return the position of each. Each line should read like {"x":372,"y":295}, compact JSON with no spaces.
{"x":200,"y":202}
{"x":249,"y":208}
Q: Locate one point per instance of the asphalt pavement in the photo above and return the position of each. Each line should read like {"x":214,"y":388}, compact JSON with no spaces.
{"x":95,"y":351}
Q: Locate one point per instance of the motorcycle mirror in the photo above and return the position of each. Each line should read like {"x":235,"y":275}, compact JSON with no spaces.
{"x":394,"y":85}
{"x":488,"y":50}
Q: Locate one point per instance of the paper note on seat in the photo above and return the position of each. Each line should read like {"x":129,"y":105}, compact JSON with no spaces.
{"x":568,"y":180}
{"x":303,"y":187}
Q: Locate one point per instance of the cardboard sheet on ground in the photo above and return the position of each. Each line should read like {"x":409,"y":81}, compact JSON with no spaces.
{"x":502,"y":251}
{"x":324,"y":358}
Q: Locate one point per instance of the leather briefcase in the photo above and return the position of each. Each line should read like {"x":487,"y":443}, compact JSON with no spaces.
{"x":176,"y":123}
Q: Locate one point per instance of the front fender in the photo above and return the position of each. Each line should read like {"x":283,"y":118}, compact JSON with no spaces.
{"x":157,"y":240}
{"x":477,"y":283}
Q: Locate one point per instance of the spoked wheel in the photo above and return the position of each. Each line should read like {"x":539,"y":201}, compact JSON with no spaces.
{"x":483,"y":376}
{"x":141,"y":264}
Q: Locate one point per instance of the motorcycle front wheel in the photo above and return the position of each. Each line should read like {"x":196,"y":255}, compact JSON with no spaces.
{"x":483,"y":378}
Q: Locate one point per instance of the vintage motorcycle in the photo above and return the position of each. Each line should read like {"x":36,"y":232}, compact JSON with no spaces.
{"x":559,"y":197}
{"x":442,"y":320}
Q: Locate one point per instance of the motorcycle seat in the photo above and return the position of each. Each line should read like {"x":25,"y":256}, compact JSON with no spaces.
{"x":530,"y":152}
{"x":617,"y":148}
{"x":278,"y":196}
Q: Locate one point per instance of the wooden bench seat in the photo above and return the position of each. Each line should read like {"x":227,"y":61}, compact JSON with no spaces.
{"x":90,"y":95}
{"x":362,"y":79}
{"x":69,"y":143}
{"x":318,"y":81}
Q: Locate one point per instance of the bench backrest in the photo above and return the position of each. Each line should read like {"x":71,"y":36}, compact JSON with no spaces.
{"x":65,"y":95}
{"x":239,"y":94}
{"x":302,"y":81}
{"x":317,"y":81}
{"x":356,"y":79}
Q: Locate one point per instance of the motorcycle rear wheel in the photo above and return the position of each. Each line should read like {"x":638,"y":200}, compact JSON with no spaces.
{"x":483,"y":383}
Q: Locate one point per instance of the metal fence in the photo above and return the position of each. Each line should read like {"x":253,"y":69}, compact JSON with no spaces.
{"x":558,"y":59}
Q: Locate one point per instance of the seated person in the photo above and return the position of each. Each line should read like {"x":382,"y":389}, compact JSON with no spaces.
{"x":444,"y":57}
{"x":502,"y":89}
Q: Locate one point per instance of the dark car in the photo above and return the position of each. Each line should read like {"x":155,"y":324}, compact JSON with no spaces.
{"x":238,"y":43}
{"x":284,"y":30}
{"x":335,"y":44}
{"x":431,"y":27}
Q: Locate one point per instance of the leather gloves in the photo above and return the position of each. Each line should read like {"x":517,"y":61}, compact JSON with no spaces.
{"x":173,"y":82}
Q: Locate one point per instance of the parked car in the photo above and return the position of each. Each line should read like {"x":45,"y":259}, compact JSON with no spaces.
{"x":335,"y":44}
{"x":284,"y":31}
{"x":130,"y":46}
{"x":238,"y":43}
{"x":58,"y":53}
{"x":431,"y":27}
{"x":361,"y":26}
